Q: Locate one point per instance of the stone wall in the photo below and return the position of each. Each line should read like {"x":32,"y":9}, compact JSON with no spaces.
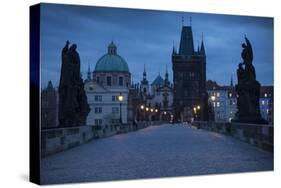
{"x":254,"y":134}
{"x":54,"y":140}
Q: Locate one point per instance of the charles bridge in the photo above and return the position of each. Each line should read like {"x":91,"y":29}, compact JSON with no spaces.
{"x":151,"y":150}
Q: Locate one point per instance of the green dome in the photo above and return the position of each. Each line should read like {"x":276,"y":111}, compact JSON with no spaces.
{"x":111,"y":62}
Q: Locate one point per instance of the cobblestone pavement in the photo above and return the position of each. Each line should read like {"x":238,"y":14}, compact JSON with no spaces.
{"x":157,"y":151}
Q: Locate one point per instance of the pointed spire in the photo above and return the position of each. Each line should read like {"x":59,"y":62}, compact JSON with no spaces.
{"x":89,"y":72}
{"x":50,"y":85}
{"x":174,"y":49}
{"x":202,"y":50}
{"x":166,"y":81}
{"x":231,"y":81}
{"x":144,"y":72}
{"x":166,"y":74}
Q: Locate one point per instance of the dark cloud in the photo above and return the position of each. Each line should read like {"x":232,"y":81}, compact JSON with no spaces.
{"x":146,"y":37}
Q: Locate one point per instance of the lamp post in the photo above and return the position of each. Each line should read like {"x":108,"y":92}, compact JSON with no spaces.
{"x":120,"y":99}
{"x":142,"y":113}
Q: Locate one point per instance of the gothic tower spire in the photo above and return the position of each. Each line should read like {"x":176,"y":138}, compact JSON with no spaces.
{"x":202,"y":49}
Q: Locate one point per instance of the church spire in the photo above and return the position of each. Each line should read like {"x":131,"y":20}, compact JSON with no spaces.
{"x":166,"y":81}
{"x":144,"y":73}
{"x":231,"y":81}
{"x":202,"y":49}
{"x":89,"y":72}
{"x":174,"y":49}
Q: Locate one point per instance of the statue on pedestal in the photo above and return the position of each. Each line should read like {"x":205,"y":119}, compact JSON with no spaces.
{"x":73,"y":105}
{"x":247,"y":89}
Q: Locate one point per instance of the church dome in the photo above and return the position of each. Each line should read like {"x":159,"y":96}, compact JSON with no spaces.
{"x":111,"y":62}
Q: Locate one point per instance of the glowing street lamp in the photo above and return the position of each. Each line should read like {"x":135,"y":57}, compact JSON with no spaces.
{"x":156,"y":110}
{"x":194,"y":109}
{"x":142,"y":107}
{"x":147,"y":109}
{"x":120,"y":99}
{"x":151,"y":109}
{"x":198,"y":107}
{"x":213,"y":98}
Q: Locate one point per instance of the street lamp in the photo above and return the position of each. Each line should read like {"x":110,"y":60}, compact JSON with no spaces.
{"x":120,"y":99}
{"x":213,"y":98}
{"x":198,"y":107}
{"x":142,"y":107}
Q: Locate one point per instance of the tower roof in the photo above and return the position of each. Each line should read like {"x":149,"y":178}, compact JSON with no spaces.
{"x":186,"y":42}
{"x":159,"y":81}
{"x":111,"y":62}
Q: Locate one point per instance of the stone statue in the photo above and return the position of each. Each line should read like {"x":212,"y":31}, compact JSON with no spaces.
{"x":73,"y":105}
{"x":247,"y":89}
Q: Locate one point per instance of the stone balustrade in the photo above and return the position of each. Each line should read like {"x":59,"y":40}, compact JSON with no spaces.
{"x":55,"y":140}
{"x":255,"y":134}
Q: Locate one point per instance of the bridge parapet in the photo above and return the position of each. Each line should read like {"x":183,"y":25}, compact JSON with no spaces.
{"x":255,"y":134}
{"x":54,"y":140}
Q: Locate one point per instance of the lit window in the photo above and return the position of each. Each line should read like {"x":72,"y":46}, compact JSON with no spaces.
{"x":262,"y":102}
{"x":267,"y":111}
{"x":218,"y":104}
{"x":230,"y":94}
{"x":214,"y":104}
{"x":218,"y":94}
{"x":265,"y":95}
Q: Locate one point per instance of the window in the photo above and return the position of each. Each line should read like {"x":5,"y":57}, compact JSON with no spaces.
{"x":114,"y":98}
{"x":218,"y":104}
{"x":108,"y":80}
{"x":98,"y":98}
{"x":98,"y":121}
{"x":120,"y":81}
{"x":214,"y":104}
{"x":98,"y":110}
{"x":98,"y":79}
{"x":115,"y":110}
{"x":265,"y":95}
{"x":115,"y":121}
{"x":262,"y":102}
{"x":218,"y":94}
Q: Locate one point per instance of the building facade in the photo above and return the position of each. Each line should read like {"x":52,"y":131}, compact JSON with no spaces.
{"x":266,"y":103}
{"x":189,"y":77}
{"x":108,"y":89}
{"x":49,"y":107}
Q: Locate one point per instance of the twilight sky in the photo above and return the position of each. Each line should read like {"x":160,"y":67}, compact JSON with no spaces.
{"x":146,"y":37}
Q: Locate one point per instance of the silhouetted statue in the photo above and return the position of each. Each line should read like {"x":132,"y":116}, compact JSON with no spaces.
{"x":73,"y":105}
{"x":247,"y":89}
